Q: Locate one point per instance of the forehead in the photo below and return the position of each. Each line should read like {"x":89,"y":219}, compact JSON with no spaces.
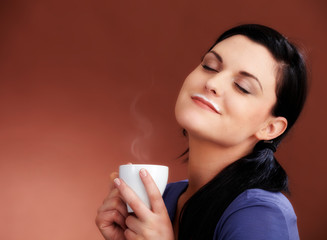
{"x":241,"y":53}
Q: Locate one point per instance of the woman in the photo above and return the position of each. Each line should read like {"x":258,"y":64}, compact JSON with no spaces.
{"x":235,"y":108}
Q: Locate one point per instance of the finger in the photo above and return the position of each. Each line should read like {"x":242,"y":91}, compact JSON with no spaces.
{"x":113,"y":175}
{"x":153,"y":192}
{"x":106,"y":219}
{"x":115,"y":203}
{"x":130,"y":235}
{"x":130,"y":197}
{"x":113,"y":191}
{"x":112,"y":194}
{"x":133,"y":223}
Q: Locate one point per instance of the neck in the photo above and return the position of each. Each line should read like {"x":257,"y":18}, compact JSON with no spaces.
{"x":207,"y":159}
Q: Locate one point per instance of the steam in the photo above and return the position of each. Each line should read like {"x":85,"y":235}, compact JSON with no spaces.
{"x":146,"y":129}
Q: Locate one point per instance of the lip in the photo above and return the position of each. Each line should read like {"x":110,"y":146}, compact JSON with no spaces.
{"x":205,"y":102}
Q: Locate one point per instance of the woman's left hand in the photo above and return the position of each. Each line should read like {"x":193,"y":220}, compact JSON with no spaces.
{"x":146,"y":224}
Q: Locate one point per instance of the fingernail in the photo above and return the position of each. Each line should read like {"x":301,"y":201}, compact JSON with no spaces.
{"x":143,"y":172}
{"x":117,"y":181}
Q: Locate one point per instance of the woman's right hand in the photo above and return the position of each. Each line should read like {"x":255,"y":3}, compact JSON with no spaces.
{"x":112,"y":214}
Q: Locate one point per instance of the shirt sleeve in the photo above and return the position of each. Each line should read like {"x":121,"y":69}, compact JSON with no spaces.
{"x":261,"y":221}
{"x":171,"y":195}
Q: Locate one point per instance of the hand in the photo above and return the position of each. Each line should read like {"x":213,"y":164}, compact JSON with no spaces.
{"x":146,"y":224}
{"x":112,"y":214}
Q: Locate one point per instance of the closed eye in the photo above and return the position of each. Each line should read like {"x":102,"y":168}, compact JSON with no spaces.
{"x":206,"y":67}
{"x":243,"y":90}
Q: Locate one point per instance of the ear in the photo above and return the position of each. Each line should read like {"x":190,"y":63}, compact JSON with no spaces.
{"x":273,"y":128}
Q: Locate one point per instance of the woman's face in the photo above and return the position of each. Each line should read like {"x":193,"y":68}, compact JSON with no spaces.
{"x":229,"y":97}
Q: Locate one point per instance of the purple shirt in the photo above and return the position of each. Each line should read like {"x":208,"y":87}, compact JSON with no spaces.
{"x":254,"y":214}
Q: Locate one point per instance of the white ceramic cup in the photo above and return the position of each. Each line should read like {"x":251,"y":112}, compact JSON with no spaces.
{"x":130,"y":173}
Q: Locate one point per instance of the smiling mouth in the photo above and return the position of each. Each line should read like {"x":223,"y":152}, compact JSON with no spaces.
{"x":205,"y":103}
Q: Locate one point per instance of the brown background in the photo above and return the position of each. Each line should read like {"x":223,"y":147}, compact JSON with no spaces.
{"x":81,"y":80}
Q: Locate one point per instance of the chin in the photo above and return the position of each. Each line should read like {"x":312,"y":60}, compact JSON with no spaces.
{"x":192,"y":125}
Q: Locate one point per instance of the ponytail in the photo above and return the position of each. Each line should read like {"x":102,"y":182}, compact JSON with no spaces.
{"x":203,"y":210}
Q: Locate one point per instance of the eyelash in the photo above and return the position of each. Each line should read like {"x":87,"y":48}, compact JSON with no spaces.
{"x":208,"y":68}
{"x":241,"y":89}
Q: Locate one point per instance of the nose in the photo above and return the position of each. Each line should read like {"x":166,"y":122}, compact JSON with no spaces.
{"x":215,"y":86}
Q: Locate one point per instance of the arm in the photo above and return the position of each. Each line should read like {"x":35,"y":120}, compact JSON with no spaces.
{"x":261,"y":221}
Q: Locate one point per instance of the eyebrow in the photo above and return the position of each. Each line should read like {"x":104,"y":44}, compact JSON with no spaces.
{"x":220,"y":59}
{"x":246,"y":74}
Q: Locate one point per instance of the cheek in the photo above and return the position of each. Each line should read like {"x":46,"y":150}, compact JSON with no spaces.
{"x":194,"y":80}
{"x":180,"y":106}
{"x":247,"y":113}
{"x":189,"y":116}
{"x":183,"y":113}
{"x":183,"y":106}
